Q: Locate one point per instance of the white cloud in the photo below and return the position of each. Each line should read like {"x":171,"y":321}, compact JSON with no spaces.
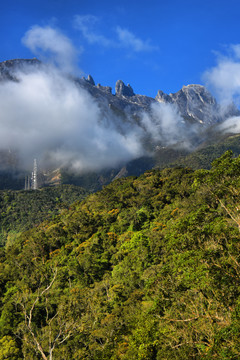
{"x":129,"y":40}
{"x":224,"y":78}
{"x":86,"y":24}
{"x":231,"y":125}
{"x":124,"y":39}
{"x":49,"y":44}
{"x":166,"y":126}
{"x":236,"y":50}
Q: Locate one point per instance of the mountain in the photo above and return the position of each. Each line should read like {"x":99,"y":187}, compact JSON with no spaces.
{"x":171,"y":126}
{"x":193,"y":102}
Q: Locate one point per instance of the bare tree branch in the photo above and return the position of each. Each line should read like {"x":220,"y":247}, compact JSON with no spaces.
{"x":29,"y":315}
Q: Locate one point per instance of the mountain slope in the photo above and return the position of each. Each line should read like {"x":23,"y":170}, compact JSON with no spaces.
{"x":147,"y":268}
{"x":21,"y":210}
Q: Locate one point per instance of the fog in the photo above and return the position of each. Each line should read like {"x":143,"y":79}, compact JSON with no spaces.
{"x":165,"y":125}
{"x":47,"y":116}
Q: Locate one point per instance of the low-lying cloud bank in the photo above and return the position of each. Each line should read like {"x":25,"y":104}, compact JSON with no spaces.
{"x":166,"y":126}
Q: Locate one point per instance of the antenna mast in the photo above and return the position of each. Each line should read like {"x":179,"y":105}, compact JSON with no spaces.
{"x":34,"y":175}
{"x":31,"y":182}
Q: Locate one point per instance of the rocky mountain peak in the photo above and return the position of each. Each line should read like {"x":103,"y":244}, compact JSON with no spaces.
{"x":122,"y":90}
{"x":193,"y":102}
{"x":106,"y":89}
{"x":18,"y":62}
{"x":162,"y":97}
{"x":197,"y":92}
{"x":90,"y":80}
{"x":8,"y":67}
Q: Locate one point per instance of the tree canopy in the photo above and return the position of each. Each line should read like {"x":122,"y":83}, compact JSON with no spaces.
{"x":147,"y":268}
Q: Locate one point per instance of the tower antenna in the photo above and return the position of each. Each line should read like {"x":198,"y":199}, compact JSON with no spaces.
{"x":34,"y":176}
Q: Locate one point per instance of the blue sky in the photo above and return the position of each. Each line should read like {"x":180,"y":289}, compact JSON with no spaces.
{"x":150,"y":44}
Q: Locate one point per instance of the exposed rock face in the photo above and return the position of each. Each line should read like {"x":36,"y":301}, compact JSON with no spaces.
{"x":8,"y":67}
{"x":106,"y":89}
{"x":194,"y":102}
{"x":162,"y":97}
{"x":122,"y":90}
{"x":90,"y":80}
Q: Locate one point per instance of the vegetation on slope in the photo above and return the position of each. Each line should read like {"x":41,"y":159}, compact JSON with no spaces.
{"x":21,"y":210}
{"x":147,"y":268}
{"x":203,"y":157}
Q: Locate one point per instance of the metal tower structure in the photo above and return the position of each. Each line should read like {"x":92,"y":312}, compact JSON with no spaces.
{"x":34,"y":175}
{"x":31,"y":182}
{"x":27,"y":183}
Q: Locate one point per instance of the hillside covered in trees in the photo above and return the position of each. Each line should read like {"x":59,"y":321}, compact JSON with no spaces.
{"x":147,"y":268}
{"x":21,"y":210}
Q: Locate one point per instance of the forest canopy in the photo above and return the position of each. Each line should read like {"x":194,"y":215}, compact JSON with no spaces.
{"x":147,"y":268}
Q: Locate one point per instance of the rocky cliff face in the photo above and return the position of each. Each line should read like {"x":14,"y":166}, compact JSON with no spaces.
{"x":8,"y":68}
{"x":122,"y":90}
{"x":193,"y":102}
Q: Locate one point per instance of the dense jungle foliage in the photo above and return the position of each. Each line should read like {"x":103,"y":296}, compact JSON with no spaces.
{"x":147,"y":268}
{"x":21,"y":210}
